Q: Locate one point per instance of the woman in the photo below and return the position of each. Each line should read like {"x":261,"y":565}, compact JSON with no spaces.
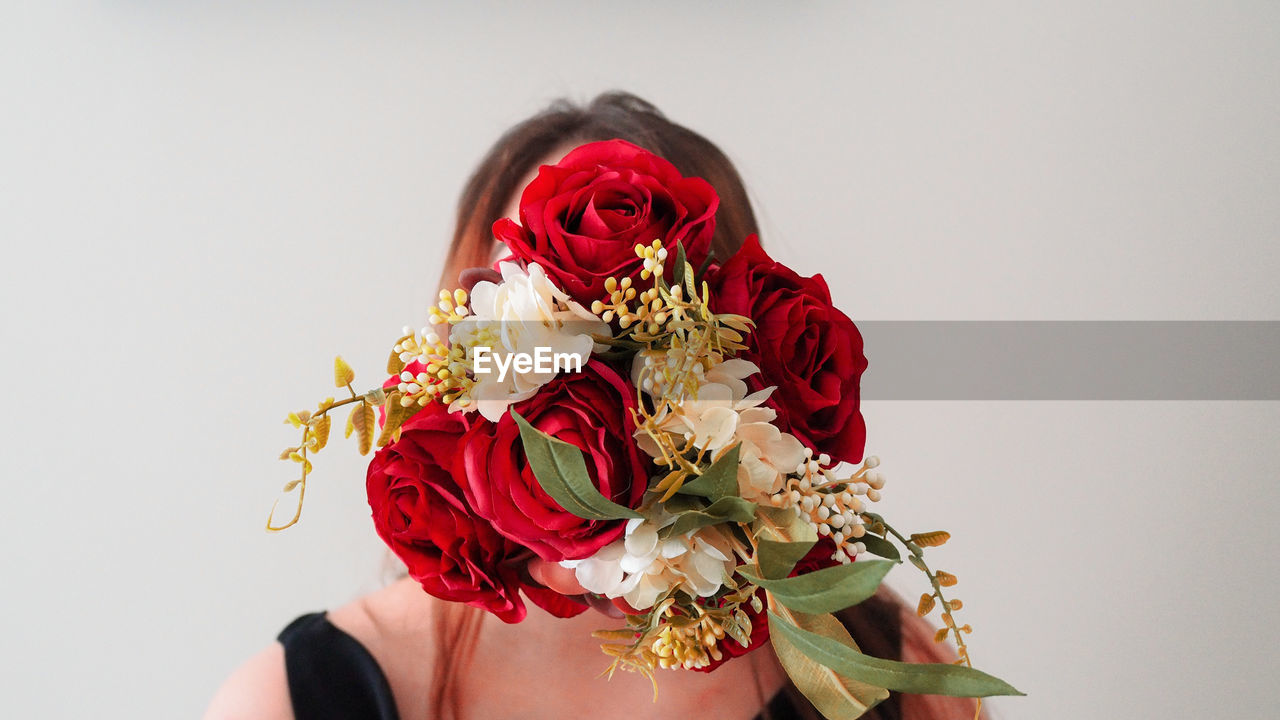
{"x":399,"y":653}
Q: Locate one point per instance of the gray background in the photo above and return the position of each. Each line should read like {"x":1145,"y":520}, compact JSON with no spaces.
{"x":201,"y":204}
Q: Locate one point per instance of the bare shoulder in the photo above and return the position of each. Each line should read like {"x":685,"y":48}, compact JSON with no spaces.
{"x":257,"y":690}
{"x":386,"y":620}
{"x":396,"y":625}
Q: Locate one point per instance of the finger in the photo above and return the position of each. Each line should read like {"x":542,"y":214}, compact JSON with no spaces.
{"x":604,"y":605}
{"x":624,"y":608}
{"x":553,"y":575}
{"x":469,"y":277}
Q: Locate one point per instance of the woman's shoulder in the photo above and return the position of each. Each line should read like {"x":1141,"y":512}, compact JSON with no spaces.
{"x":396,"y":625}
{"x":389,"y":621}
{"x":258,"y":689}
{"x":383,"y":632}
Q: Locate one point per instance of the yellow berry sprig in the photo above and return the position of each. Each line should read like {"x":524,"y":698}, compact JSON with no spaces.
{"x":443,"y":376}
{"x":315,"y":432}
{"x":915,"y":544}
{"x":655,"y":314}
{"x":679,"y":632}
{"x":451,"y":309}
{"x":620,"y":294}
{"x":830,"y":503}
{"x":653,"y":257}
{"x":653,"y":307}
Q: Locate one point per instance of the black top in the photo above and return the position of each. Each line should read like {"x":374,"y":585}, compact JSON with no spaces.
{"x":333,"y":677}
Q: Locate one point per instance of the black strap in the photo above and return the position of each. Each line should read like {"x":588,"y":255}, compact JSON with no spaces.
{"x":781,"y":707}
{"x":331,"y":675}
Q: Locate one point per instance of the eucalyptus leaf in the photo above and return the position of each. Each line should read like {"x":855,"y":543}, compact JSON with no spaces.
{"x":562,"y":472}
{"x":784,"y":525}
{"x":777,"y":559}
{"x":836,"y":696}
{"x":718,"y":481}
{"x":706,"y":265}
{"x":677,"y":504}
{"x":728,"y":509}
{"x":677,"y":276}
{"x":921,"y":678}
{"x":877,"y":545}
{"x":826,"y":590}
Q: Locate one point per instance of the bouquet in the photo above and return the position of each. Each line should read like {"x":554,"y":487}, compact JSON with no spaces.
{"x":685,"y":434}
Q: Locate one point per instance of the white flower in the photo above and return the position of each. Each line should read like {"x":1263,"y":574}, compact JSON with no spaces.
{"x":721,"y":414}
{"x":643,"y":566}
{"x":516,"y":317}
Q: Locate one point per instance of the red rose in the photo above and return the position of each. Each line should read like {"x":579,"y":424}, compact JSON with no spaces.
{"x":581,"y":218}
{"x":803,"y":345}
{"x":590,"y":409}
{"x":421,"y":514}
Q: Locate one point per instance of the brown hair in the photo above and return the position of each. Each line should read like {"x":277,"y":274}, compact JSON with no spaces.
{"x":883,"y":626}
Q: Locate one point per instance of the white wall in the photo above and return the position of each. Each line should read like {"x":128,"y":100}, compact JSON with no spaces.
{"x":200,"y":204}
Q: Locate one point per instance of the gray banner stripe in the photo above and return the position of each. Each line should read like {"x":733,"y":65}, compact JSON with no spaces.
{"x":1072,"y":360}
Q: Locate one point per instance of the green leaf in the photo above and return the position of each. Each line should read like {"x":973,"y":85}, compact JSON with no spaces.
{"x":681,"y":503}
{"x":836,"y":696}
{"x":921,"y":678}
{"x":778,"y":527}
{"x":877,"y":545}
{"x":728,"y":509}
{"x":826,"y":590}
{"x":706,"y":265}
{"x":677,"y":276}
{"x":718,"y":481}
{"x":562,"y":473}
{"x":784,"y":525}
{"x":777,"y":559}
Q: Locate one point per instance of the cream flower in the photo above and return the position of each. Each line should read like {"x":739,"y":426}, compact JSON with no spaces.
{"x":525,"y":315}
{"x":721,"y":414}
{"x":643,"y":566}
